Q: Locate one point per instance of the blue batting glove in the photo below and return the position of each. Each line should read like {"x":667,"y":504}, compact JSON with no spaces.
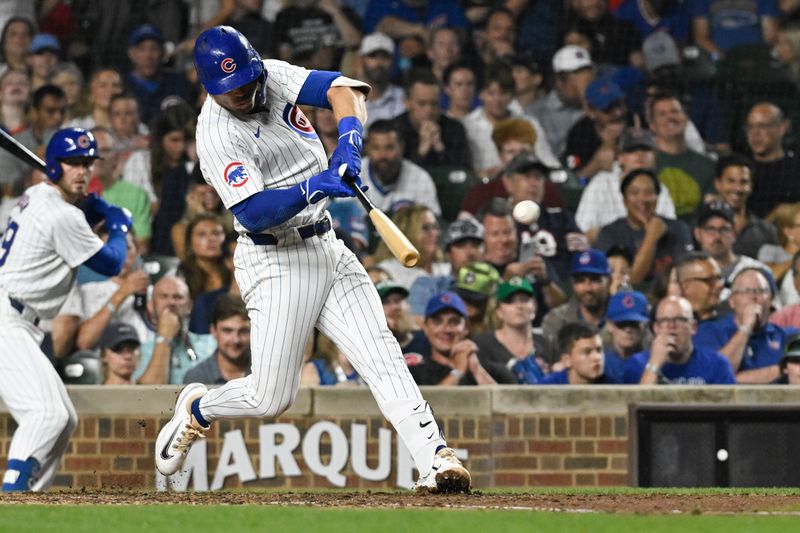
{"x":118,"y":219}
{"x":94,"y":208}
{"x":326,"y":183}
{"x":348,"y":149}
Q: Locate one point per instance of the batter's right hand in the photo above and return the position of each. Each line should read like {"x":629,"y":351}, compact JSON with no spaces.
{"x":118,"y":218}
{"x":326,"y":183}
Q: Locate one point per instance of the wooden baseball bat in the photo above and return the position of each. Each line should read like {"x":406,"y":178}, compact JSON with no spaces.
{"x":398,"y":243}
{"x":15,"y":148}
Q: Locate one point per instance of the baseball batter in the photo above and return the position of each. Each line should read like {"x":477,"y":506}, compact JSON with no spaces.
{"x":47,"y":238}
{"x":263,"y":157}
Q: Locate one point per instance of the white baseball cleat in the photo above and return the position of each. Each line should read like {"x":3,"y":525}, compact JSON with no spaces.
{"x":178,"y":435}
{"x":447,"y":475}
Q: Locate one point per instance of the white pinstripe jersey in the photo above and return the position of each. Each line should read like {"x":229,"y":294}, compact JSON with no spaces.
{"x":241,"y":155}
{"x":46,"y":240}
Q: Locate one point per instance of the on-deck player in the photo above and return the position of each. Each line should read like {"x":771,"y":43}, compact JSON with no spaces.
{"x":48,"y":237}
{"x":263,"y":157}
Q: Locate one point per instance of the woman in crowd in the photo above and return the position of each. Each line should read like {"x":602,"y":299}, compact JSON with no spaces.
{"x":14,"y":42}
{"x":419,"y":224}
{"x":15,"y":91}
{"x":69,"y":78}
{"x":120,"y":354}
{"x":653,"y":241}
{"x":94,"y":109}
{"x":204,"y":266}
{"x":325,"y":364}
{"x":168,"y":149}
{"x":509,"y":352}
{"x":786,"y":218}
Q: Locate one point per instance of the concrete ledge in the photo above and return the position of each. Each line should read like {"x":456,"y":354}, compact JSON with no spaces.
{"x":461,"y":401}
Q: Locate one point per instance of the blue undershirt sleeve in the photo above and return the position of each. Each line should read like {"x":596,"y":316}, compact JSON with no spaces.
{"x":315,"y":89}
{"x":110,"y":259}
{"x":269,"y":208}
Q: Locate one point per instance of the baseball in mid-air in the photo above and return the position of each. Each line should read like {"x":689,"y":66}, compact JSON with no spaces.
{"x":526,"y":212}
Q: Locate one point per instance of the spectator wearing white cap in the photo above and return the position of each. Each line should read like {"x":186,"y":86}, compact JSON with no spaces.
{"x":385,"y":100}
{"x":563,"y":106}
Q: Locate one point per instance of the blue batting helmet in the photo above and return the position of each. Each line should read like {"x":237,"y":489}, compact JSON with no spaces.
{"x":225,"y":60}
{"x":65,"y":143}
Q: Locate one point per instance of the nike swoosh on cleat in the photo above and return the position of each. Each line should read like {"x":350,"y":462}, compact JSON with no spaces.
{"x":258,"y":132}
{"x":425,"y":424}
{"x":164,"y":450}
{"x":417,"y":407}
{"x":431,"y":435}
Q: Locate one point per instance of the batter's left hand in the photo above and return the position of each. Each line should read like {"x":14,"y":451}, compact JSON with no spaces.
{"x":348,"y":149}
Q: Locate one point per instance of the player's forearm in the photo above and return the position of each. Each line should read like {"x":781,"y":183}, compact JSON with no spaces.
{"x":348,"y":102}
{"x":734,"y":349}
{"x":111,"y":257}
{"x":157,"y":372}
{"x":269,"y":208}
{"x":768,"y":374}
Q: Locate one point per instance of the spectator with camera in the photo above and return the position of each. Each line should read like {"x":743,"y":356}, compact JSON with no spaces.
{"x":674,"y":358}
{"x":175,"y":350}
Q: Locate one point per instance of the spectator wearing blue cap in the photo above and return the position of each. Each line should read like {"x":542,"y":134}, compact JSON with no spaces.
{"x":441,"y":354}
{"x":592,"y":141}
{"x":674,"y":358}
{"x":43,"y":55}
{"x":626,"y":324}
{"x":582,"y":357}
{"x":652,"y":240}
{"x":148,"y":80}
{"x":510,"y":353}
{"x":752,"y":344}
{"x":590,"y":276}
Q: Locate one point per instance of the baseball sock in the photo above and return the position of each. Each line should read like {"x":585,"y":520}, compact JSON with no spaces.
{"x":20,"y":474}
{"x":198,"y":415}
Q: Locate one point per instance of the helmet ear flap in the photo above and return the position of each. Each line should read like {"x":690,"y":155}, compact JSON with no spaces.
{"x":261,"y":90}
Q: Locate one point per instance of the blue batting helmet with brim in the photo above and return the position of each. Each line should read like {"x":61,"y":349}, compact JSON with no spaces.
{"x":225,"y":60}
{"x":68,"y":143}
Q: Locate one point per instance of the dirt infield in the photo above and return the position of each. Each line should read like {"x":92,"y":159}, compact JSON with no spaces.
{"x":646,"y":503}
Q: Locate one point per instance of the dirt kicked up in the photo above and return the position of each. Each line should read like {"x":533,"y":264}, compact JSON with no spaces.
{"x":650,"y":502}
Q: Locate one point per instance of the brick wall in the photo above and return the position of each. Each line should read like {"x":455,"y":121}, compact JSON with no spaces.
{"x":515,"y":437}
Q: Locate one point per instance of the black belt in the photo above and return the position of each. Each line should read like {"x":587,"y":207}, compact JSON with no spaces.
{"x":320,"y":227}
{"x":20,"y":307}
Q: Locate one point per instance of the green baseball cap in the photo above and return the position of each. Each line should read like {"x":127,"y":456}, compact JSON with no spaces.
{"x":478,"y":277}
{"x":513,"y":286}
{"x":387,"y":286}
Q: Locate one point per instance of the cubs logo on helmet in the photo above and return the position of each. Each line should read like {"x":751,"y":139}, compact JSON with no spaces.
{"x":227,"y":65}
{"x":83,"y":141}
{"x":236,"y":175}
{"x":297,"y":121}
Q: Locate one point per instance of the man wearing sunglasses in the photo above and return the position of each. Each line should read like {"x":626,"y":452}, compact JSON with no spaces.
{"x":674,"y":358}
{"x":753,"y":346}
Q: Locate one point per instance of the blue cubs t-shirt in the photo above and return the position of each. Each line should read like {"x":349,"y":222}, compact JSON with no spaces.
{"x":734,"y":22}
{"x":704,"y":367}
{"x":765,"y":347}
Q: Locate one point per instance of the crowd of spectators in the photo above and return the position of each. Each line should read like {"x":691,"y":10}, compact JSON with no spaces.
{"x":656,"y":137}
